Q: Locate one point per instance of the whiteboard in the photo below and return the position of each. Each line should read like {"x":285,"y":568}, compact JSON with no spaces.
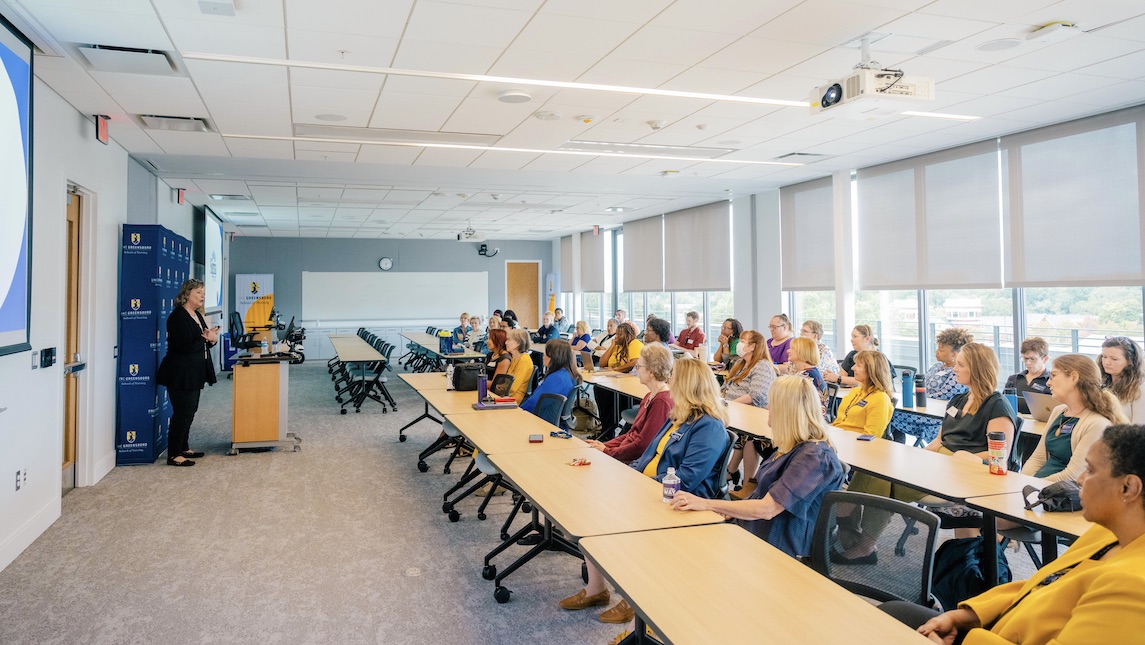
{"x":393,"y":296}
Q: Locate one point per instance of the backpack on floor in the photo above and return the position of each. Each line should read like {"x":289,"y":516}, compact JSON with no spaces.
{"x":958,"y":570}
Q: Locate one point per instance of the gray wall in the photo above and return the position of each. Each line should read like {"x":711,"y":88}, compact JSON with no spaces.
{"x":287,"y":258}
{"x":142,"y":195}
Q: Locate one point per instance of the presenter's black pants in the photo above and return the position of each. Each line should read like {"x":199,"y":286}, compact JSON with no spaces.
{"x":184,"y":405}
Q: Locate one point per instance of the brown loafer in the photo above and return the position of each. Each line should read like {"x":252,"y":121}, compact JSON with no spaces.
{"x":583,"y":601}
{"x":619,"y":615}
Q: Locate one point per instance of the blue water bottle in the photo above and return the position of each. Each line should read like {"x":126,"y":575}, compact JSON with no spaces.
{"x":482,"y":387}
{"x":907,"y":389}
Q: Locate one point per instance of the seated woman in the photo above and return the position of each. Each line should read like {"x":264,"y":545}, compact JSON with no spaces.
{"x":509,"y":319}
{"x":603,"y":340}
{"x":1095,"y":591}
{"x":969,"y":417}
{"x":462,"y":331}
{"x":1123,"y":373}
{"x":520,"y":364}
{"x":827,"y":363}
{"x":791,"y":484}
{"x":497,"y":361}
{"x":658,"y":331}
{"x":803,"y":359}
{"x":941,"y":385}
{"x":862,"y":339}
{"x":547,"y":331}
{"x":654,"y":367}
{"x":780,"y":340}
{"x":580,"y":338}
{"x":867,"y":408}
{"x":728,"y":341}
{"x":620,"y":356}
{"x":561,"y":374}
{"x":1035,"y":353}
{"x":748,"y":382}
{"x":494,"y":322}
{"x":692,"y":441}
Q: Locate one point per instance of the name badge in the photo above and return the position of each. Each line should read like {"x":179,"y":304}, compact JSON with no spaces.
{"x":1037,"y":387}
{"x":1067,"y":427}
{"x":862,"y":404}
{"x":952,"y":412}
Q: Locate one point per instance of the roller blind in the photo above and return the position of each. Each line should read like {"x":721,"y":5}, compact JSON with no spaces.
{"x":591,"y":262}
{"x":1074,"y":203}
{"x":806,"y":213}
{"x":931,"y":222}
{"x":644,"y":254}
{"x":697,"y":249}
{"x":566,"y":264}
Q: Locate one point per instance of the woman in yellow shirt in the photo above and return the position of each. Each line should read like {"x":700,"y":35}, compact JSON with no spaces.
{"x":621,"y":355}
{"x":867,"y":408}
{"x":520,"y":364}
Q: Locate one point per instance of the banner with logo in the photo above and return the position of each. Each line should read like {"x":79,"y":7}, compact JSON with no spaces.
{"x":254,"y":298}
{"x":154,"y":263}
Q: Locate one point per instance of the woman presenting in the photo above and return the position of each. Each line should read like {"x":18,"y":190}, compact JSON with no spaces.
{"x":186,"y":367}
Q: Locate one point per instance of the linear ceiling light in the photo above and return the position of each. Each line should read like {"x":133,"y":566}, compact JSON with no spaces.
{"x":940,"y":115}
{"x":453,"y":146}
{"x":482,"y":78}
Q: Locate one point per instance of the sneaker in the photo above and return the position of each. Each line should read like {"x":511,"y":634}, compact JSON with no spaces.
{"x":618,"y":615}
{"x":581,"y":600}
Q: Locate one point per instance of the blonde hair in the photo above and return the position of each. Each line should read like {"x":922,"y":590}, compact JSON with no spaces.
{"x":524,"y":343}
{"x":549,"y":314}
{"x":759,"y":354}
{"x":186,"y":289}
{"x":494,"y":322}
{"x":1093,"y":395}
{"x":878,"y":371}
{"x":983,"y":366}
{"x":581,"y":328}
{"x":657,"y":361}
{"x":465,"y":315}
{"x":695,"y":392}
{"x":796,"y":413}
{"x":804,"y":349}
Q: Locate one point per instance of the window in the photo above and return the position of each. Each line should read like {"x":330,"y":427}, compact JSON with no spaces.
{"x":893,"y":315}
{"x":818,"y":306}
{"x":593,"y":310}
{"x":721,"y":306}
{"x":1075,"y":320}
{"x":686,"y":301}
{"x":660,"y":304}
{"x":988,"y":314}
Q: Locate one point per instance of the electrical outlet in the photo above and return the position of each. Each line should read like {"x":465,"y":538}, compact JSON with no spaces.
{"x":35,"y":360}
{"x":17,"y":480}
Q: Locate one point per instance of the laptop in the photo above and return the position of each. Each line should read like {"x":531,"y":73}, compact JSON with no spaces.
{"x":586,"y":362}
{"x":1040,"y":404}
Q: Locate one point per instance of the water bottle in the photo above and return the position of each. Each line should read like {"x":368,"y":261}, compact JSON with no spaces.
{"x":1011,"y":395}
{"x":907,"y":389}
{"x":449,"y":376}
{"x":920,"y":391}
{"x":264,"y":347}
{"x":482,"y":387}
{"x":996,"y":444}
{"x":671,"y":485}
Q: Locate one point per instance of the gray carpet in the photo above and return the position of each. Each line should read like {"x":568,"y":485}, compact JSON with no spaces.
{"x":343,"y":542}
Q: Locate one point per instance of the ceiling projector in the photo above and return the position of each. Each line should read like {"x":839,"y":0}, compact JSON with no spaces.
{"x":470,"y":235}
{"x":871,"y":94}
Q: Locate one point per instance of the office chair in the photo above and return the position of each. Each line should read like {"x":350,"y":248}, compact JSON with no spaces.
{"x":239,"y":338}
{"x":453,"y":439}
{"x":725,"y":461}
{"x":905,"y":577}
{"x":832,"y":402}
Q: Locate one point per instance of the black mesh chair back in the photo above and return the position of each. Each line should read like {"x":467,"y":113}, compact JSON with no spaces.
{"x":549,"y":407}
{"x":570,"y":403}
{"x":832,"y":401}
{"x":899,"y":573}
{"x":536,"y":378}
{"x":724,"y":462}
{"x":501,"y":384}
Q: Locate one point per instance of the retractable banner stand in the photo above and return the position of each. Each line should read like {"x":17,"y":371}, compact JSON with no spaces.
{"x":254,"y":298}
{"x":552,"y":289}
{"x":154,"y":263}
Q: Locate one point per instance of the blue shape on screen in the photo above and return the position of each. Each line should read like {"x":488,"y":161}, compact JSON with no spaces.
{"x":13,"y":311}
{"x":19,"y":74}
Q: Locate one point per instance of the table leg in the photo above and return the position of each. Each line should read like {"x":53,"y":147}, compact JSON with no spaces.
{"x":1049,"y":547}
{"x":425,"y":415}
{"x":990,"y":549}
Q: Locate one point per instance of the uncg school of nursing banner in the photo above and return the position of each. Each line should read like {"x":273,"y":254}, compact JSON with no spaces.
{"x":254,"y":298}
{"x":154,"y":263}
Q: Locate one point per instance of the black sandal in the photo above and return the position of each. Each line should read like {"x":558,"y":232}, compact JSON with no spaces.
{"x":194,"y":454}
{"x":184,"y":463}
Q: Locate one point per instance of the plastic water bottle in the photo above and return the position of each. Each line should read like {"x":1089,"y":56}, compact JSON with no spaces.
{"x":671,"y":485}
{"x":265,"y":347}
{"x":482,"y":387}
{"x":907,"y":389}
{"x":449,"y":376}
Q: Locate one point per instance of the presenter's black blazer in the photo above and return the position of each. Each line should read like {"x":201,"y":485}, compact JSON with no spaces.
{"x":186,"y":366}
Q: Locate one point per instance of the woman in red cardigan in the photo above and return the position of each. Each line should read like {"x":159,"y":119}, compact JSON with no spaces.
{"x":653,"y":368}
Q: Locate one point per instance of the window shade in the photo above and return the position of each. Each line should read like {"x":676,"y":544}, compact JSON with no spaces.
{"x":644,"y":255}
{"x":591,"y":262}
{"x":807,"y":223}
{"x":566,"y":264}
{"x":1074,"y":203}
{"x":697,"y":249}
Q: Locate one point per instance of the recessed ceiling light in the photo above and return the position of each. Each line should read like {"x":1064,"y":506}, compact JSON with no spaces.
{"x":940,"y":115}
{"x":223,"y":198}
{"x":1001,"y":44}
{"x":514,"y":96}
{"x":329,"y":117}
{"x":615,"y":209}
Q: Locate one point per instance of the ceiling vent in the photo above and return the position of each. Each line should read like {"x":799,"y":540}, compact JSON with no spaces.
{"x":383,"y":135}
{"x":126,"y":60}
{"x":176,"y":123}
{"x":217,"y":7}
{"x":644,"y":149}
{"x":802,"y":157}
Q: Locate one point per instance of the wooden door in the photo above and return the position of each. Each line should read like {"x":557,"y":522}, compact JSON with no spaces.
{"x":523,"y":292}
{"x":71,"y":340}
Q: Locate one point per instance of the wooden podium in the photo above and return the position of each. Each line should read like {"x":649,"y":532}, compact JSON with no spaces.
{"x":260,"y":396}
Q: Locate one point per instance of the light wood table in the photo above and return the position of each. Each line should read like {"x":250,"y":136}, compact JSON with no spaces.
{"x":454,"y":402}
{"x":750,"y":420}
{"x":1010,"y":507}
{"x":431,"y":344}
{"x":690,"y":584}
{"x":495,"y":434}
{"x":427,"y":381}
{"x":352,"y":349}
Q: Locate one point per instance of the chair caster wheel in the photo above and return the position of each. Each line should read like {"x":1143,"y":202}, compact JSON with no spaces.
{"x":504,"y":536}
{"x":445,"y":470}
{"x":454,"y":516}
{"x":422,"y":466}
{"x":338,"y":399}
{"x":402,"y":438}
{"x":526,"y":508}
{"x":357,"y":410}
{"x":584,"y":572}
{"x":342,"y":411}
{"x":501,"y":595}
{"x":481,"y":516}
{"x":446,"y":507}
{"x":489,"y":572}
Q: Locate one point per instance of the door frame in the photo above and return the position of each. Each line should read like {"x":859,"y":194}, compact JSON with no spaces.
{"x":85,"y":386}
{"x":540,"y":285}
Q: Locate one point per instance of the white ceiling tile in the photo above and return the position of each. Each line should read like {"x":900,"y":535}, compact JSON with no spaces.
{"x":566,"y":34}
{"x":487,"y":116}
{"x":222,"y":187}
{"x":988,"y":10}
{"x":518,"y":62}
{"x":1132,"y":29}
{"x":393,"y":155}
{"x":132,"y":138}
{"x":1050,"y":112}
{"x":413,"y":111}
{"x":939,"y":69}
{"x":937,"y":27}
{"x":340,"y":48}
{"x":98,"y":26}
{"x":535,"y":133}
{"x":1086,"y":15}
{"x":327,"y":146}
{"x":208,"y":36}
{"x":988,"y":80}
{"x":784,"y":87}
{"x":262,"y":119}
{"x":467,"y":25}
{"x":828,"y":23}
{"x":663,"y":106}
{"x":491,"y":91}
{"x":595,"y":99}
{"x":556,"y":163}
{"x":274,"y":195}
{"x":1126,"y":67}
{"x":840,"y":62}
{"x":336,"y":79}
{"x":219,"y":82}
{"x":382,"y":18}
{"x":1059,"y":87}
{"x":1122,"y":94}
{"x":248,"y":12}
{"x":309,"y":102}
{"x":417,"y":217}
{"x":606,"y":166}
{"x":1080,"y":51}
{"x":161,"y":95}
{"x":406,"y":196}
{"x":713,"y":81}
{"x":731,"y":17}
{"x":206,"y":144}
{"x":672,"y":45}
{"x":319,"y":155}
{"x":636,"y":11}
{"x":258,"y":149}
{"x":503,"y":160}
{"x":279,"y":213}
{"x":988,"y":106}
{"x":429,"y":86}
{"x":690,"y":131}
{"x":459,"y":58}
{"x":364,"y":195}
{"x":614,"y":70}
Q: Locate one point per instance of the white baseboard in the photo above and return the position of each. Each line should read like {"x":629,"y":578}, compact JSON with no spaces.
{"x":25,"y":535}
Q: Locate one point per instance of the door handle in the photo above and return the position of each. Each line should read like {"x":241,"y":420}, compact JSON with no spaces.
{"x":73,"y":368}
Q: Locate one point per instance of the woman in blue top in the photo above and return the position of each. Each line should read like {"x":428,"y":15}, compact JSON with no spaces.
{"x":941,"y":385}
{"x":803,"y":358}
{"x":791,"y":484}
{"x":462,"y":331}
{"x":580,"y":337}
{"x":561,"y":374}
{"x":547,"y":331}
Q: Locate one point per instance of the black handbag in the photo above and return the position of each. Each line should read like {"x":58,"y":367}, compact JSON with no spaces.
{"x":1058,"y":497}
{"x":466,"y":375}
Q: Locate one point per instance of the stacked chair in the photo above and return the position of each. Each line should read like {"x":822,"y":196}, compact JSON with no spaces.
{"x":354,"y":385}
